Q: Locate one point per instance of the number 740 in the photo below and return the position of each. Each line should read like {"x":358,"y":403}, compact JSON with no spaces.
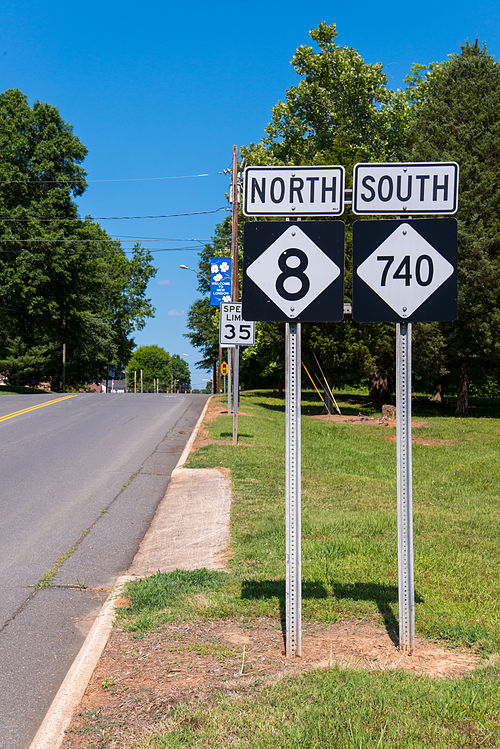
{"x":423,"y":269}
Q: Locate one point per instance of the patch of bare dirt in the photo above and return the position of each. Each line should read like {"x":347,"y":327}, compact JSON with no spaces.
{"x":373,"y":421}
{"x":214,"y":410}
{"x":420,"y":441}
{"x":138,"y":681}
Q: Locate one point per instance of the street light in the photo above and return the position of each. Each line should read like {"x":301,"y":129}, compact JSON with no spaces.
{"x":186,"y":267}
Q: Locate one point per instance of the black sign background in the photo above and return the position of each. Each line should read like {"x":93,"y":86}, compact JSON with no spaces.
{"x":329,"y":236}
{"x":441,"y":306}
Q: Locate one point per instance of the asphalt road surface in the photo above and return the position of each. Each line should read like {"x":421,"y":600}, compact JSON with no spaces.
{"x":80,"y":479}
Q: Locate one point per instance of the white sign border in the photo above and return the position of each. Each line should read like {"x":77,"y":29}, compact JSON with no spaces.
{"x":247,"y":342}
{"x":401,"y":211}
{"x":288,"y":212}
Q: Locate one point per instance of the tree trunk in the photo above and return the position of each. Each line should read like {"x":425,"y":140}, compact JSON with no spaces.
{"x":437,"y":396}
{"x":462,"y":408}
{"x":380,"y":391}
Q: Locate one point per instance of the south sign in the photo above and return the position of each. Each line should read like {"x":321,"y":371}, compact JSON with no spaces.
{"x":405,"y":189}
{"x":294,"y":191}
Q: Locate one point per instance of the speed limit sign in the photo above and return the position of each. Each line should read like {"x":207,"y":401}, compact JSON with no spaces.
{"x":293,"y":271}
{"x":405,"y":271}
{"x":233,"y":329}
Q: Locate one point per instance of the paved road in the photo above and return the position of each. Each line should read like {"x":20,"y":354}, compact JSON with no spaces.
{"x":80,"y":480}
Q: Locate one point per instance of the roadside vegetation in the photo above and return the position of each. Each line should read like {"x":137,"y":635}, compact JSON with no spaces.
{"x":349,"y":571}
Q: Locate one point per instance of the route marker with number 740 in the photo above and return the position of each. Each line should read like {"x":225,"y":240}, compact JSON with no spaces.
{"x":233,"y":329}
{"x":404,"y":271}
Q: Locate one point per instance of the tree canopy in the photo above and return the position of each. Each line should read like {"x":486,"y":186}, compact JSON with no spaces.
{"x":63,"y":280}
{"x":158,"y":365}
{"x":342,"y":112}
{"x":456,"y":119}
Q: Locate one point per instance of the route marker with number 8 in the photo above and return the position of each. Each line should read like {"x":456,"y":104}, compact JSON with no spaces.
{"x":294,"y":272}
{"x":405,"y":270}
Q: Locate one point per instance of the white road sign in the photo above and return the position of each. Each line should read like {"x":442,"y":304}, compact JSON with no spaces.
{"x":294,"y":191}
{"x":233,"y":329}
{"x":405,"y":270}
{"x":399,"y":189}
{"x":293,"y":271}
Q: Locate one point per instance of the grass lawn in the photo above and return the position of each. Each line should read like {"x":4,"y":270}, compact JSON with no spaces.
{"x":349,"y":570}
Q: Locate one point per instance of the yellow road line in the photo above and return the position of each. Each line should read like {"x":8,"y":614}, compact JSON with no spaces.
{"x":33,"y":408}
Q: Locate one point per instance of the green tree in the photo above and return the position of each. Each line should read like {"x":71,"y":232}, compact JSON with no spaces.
{"x":155,"y":363}
{"x":341,"y":112}
{"x":63,"y":281}
{"x":456,"y":118}
{"x":180,"y":372}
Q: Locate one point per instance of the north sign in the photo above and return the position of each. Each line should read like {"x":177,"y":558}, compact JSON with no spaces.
{"x":293,"y":272}
{"x":233,"y":329}
{"x":405,"y":188}
{"x":405,"y":271}
{"x":294,"y":191}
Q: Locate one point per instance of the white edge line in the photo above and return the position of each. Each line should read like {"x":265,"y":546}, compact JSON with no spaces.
{"x":194,"y":434}
{"x":60,"y":713}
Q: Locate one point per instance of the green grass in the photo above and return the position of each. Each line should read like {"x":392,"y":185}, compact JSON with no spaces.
{"x":342,"y":708}
{"x":349,"y":524}
{"x":349,"y":570}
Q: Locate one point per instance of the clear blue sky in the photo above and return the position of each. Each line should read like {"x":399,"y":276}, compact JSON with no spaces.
{"x":160,"y":89}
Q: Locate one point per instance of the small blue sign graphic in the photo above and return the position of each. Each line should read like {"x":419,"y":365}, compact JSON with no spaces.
{"x":220,"y":280}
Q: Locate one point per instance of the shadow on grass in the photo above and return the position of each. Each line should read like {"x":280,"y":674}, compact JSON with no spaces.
{"x":257,"y":589}
{"x":382,"y":595}
{"x":240,"y":434}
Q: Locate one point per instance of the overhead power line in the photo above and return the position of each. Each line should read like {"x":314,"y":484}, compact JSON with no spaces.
{"x":89,"y":252}
{"x":108,"y":218}
{"x":118,"y":179}
{"x":96,"y":239}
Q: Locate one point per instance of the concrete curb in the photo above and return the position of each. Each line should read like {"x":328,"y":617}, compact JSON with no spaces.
{"x":194,"y":434}
{"x":51,"y":732}
{"x":50,"y":735}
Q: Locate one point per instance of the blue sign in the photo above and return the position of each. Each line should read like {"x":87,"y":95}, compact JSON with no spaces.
{"x":111,"y":371}
{"x":220,"y":280}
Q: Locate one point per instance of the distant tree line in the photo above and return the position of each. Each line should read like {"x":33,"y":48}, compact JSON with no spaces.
{"x":70,"y":298}
{"x":170,"y":371}
{"x":342,"y":112}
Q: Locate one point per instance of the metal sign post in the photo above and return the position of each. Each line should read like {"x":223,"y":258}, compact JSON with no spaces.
{"x":293,"y":643}
{"x":295,"y":274}
{"x":404,"y":271}
{"x":229,"y":356}
{"x":236,"y":393}
{"x":404,"y":481}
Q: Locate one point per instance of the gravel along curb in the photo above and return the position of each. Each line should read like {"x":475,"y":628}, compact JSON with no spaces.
{"x":51,"y":732}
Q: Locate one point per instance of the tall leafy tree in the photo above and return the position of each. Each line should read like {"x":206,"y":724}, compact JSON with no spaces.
{"x":456,"y":105}
{"x":155,"y":363}
{"x":63,"y":281}
{"x":340,"y":112}
{"x":180,"y":372}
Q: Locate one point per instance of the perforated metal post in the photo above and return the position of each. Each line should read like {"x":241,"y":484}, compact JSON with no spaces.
{"x":404,"y":477}
{"x":293,"y":643}
{"x":236,"y":390}
{"x":229,"y":357}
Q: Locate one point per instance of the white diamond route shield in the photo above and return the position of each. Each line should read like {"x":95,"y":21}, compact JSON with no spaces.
{"x":405,"y":270}
{"x":303,"y":278}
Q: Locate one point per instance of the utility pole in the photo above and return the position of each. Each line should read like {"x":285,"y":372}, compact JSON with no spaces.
{"x":235,"y":287}
{"x":64,"y":368}
{"x":141,"y":381}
